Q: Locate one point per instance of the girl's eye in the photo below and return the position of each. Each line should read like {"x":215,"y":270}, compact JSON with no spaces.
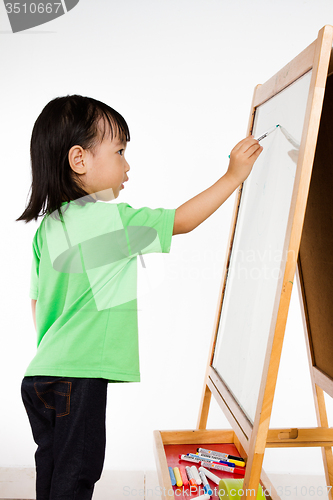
{"x":121,"y":152}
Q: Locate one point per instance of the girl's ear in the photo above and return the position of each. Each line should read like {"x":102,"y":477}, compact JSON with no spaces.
{"x":76,"y":156}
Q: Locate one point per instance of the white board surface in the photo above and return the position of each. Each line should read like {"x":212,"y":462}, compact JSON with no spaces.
{"x":256,"y":258}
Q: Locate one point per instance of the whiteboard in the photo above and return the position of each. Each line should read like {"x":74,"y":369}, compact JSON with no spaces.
{"x":257,"y":261}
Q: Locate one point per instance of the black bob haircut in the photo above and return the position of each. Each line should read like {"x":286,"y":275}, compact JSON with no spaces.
{"x":66,"y":122}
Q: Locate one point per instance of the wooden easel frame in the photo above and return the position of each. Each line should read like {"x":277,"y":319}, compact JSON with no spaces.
{"x":250,"y":439}
{"x":255,"y":438}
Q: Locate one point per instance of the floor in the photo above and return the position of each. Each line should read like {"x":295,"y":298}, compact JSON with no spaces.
{"x":19,"y":483}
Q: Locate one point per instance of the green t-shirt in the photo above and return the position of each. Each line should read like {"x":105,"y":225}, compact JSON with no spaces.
{"x":84,"y":278}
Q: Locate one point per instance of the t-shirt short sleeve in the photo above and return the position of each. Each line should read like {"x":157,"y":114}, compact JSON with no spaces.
{"x":148,"y":230}
{"x":34,"y":269}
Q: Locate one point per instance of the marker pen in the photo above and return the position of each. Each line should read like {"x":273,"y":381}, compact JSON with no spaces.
{"x":215,"y":460}
{"x":219,"y":454}
{"x":233,"y":470}
{"x":205,"y":457}
{"x":196,"y":476}
{"x":177,"y":476}
{"x":225,"y":461}
{"x":196,"y":460}
{"x":172,"y":477}
{"x":269,"y":131}
{"x":216,"y":479}
{"x":205,"y":483}
{"x":190,"y":477}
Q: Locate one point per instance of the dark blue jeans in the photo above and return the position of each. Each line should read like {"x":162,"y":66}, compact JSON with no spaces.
{"x":67,"y":418}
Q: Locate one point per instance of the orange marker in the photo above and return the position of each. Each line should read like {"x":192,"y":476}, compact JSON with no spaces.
{"x":191,"y":479}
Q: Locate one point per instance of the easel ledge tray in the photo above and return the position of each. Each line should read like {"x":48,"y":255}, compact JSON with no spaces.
{"x":168,"y":445}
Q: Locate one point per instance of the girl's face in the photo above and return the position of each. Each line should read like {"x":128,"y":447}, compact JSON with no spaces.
{"x":106,"y":169}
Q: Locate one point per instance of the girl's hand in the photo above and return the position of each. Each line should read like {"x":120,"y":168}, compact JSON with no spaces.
{"x":242,"y":158}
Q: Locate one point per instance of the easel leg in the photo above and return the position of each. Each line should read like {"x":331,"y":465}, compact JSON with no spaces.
{"x":318,"y":393}
{"x":252,"y":476}
{"x":323,"y":422}
{"x":204,"y":408}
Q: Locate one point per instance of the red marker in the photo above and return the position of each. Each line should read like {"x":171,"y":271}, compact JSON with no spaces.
{"x":233,"y":470}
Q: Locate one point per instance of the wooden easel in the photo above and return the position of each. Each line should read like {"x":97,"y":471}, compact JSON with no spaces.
{"x":311,"y":203}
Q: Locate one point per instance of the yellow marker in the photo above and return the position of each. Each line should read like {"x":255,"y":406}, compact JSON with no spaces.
{"x":178,"y":477}
{"x":236,"y":462}
{"x":225,"y":461}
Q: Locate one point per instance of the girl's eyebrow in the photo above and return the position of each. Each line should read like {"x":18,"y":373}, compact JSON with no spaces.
{"x":121,"y":143}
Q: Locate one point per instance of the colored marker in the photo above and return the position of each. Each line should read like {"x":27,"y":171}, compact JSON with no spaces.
{"x":177,"y":476}
{"x":196,"y":460}
{"x":205,"y":483}
{"x":219,"y":454}
{"x":196,"y":476}
{"x":172,"y":477}
{"x":216,"y":479}
{"x":190,"y":477}
{"x":233,"y":470}
{"x":198,"y":457}
{"x":269,"y":131}
{"x":184,"y":476}
{"x":226,"y":461}
{"x":215,"y":460}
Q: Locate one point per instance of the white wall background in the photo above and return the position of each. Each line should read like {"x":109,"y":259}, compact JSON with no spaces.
{"x":182,"y":73}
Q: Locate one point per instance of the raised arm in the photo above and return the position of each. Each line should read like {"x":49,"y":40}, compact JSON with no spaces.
{"x":192,"y":213}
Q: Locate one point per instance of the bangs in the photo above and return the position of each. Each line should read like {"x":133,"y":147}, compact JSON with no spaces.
{"x":112,"y":124}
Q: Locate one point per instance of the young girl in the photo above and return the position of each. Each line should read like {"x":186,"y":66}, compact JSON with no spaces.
{"x":83,"y":281}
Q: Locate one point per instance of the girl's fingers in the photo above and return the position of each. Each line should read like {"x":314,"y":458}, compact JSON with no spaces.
{"x":250,"y":145}
{"x":239,"y":144}
{"x":244,"y":144}
{"x":256,"y":153}
{"x":255,"y":148}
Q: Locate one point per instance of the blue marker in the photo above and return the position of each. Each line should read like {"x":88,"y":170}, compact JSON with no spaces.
{"x":204,"y":458}
{"x":172,"y":476}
